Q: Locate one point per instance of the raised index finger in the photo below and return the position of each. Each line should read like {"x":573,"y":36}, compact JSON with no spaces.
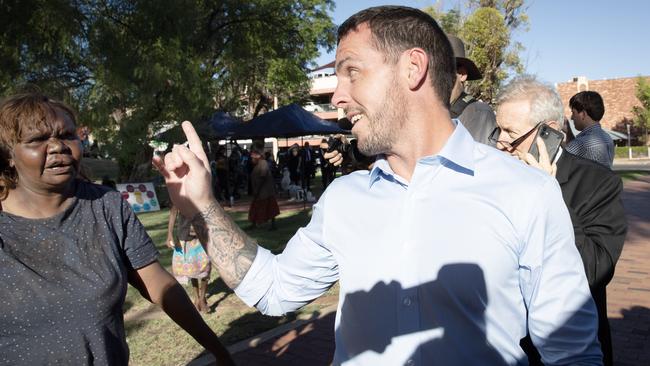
{"x":196,"y":146}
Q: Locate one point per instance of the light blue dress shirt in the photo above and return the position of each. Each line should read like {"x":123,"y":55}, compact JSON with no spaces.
{"x":450,"y":268}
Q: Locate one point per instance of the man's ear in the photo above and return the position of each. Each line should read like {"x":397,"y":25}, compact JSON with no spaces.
{"x":461,"y":73}
{"x":417,"y":63}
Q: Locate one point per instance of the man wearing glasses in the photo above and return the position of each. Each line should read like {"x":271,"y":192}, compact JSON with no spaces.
{"x":590,"y":191}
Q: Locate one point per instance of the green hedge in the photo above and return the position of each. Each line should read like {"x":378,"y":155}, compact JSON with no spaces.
{"x":637,"y":152}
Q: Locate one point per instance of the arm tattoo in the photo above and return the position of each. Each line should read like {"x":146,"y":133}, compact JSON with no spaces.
{"x":231,"y":250}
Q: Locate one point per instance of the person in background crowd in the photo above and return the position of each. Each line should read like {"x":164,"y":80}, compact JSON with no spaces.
{"x":475,"y":115}
{"x":455,"y":250}
{"x":327,"y":170}
{"x":592,"y":193}
{"x":293,"y":163}
{"x":307,"y":166}
{"x":272,"y":164}
{"x":593,"y":143}
{"x":264,"y":206}
{"x":221,"y":162}
{"x":68,"y":249}
{"x":192,"y":252}
{"x":108,"y":182}
{"x":235,"y":171}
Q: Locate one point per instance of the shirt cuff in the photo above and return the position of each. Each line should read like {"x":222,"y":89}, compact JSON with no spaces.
{"x":257,"y":280}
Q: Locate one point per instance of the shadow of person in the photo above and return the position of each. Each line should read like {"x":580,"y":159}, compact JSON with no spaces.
{"x":446,"y":316}
{"x":631,"y":336}
{"x":218,"y":287}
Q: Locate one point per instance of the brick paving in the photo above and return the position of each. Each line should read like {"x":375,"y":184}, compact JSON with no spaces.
{"x":629,"y":292}
{"x":311,"y":343}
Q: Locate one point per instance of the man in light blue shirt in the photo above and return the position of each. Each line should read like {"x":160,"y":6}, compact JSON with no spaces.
{"x":446,"y":252}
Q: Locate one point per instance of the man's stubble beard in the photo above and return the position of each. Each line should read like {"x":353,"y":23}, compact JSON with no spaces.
{"x":384,"y":125}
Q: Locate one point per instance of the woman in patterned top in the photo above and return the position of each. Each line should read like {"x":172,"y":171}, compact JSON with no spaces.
{"x":68,"y":249}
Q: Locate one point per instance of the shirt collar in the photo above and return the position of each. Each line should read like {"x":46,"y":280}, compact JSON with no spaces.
{"x":593,"y":127}
{"x":457,"y":154}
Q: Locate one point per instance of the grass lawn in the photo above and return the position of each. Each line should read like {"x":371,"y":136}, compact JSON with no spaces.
{"x":632,"y":174}
{"x":154,"y":339}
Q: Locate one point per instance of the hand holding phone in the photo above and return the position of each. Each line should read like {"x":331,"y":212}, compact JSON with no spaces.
{"x":334,"y":143}
{"x":552,"y":139}
{"x":333,"y":154}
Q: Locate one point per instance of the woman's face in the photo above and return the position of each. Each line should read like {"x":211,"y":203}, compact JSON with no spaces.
{"x":48,"y":159}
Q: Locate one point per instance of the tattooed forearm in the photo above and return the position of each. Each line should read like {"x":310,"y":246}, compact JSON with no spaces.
{"x":231,"y":250}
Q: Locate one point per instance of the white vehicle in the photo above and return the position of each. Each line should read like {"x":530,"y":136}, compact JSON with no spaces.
{"x":313,"y":107}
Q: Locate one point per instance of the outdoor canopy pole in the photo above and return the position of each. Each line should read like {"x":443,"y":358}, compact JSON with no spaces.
{"x":302,"y":170}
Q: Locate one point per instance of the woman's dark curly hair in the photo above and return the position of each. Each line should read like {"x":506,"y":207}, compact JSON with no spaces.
{"x":21,"y":112}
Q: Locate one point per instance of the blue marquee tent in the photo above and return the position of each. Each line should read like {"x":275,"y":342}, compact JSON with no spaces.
{"x":288,"y":121}
{"x":225,"y":126}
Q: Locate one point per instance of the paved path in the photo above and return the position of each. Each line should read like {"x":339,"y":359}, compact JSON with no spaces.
{"x":310,"y":342}
{"x":629,"y":292}
{"x":632,"y":164}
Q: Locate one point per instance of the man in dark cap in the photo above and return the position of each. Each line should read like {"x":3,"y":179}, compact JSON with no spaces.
{"x":475,"y":115}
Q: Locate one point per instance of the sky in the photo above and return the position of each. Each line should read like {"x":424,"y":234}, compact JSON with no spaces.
{"x":598,"y":39}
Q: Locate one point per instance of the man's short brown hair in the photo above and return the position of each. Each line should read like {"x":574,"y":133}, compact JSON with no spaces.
{"x":396,"y":29}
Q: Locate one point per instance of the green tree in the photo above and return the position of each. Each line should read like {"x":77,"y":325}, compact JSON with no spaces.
{"x":41,"y":42}
{"x":487,"y":31}
{"x":486,"y":27}
{"x":642,"y":112}
{"x":450,"y":21}
{"x":132,"y":67}
{"x":493,"y":49}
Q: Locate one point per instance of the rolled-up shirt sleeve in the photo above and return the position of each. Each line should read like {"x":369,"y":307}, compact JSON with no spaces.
{"x":277,"y":284}
{"x":562,"y":318}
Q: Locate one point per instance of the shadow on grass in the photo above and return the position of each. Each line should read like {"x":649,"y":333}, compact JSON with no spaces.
{"x":218,"y":287}
{"x":127,"y":305}
{"x":275,"y":241}
{"x":133,"y":326}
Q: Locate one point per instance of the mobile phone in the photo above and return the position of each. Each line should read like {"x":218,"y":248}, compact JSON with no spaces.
{"x":333,"y":144}
{"x":552,"y":139}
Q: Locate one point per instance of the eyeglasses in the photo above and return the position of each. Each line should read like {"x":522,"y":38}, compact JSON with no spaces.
{"x":510,"y":146}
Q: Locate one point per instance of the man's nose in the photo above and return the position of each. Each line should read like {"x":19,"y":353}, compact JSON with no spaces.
{"x":340,"y":98}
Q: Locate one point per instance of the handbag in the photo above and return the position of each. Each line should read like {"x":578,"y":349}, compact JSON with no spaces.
{"x":190,"y":259}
